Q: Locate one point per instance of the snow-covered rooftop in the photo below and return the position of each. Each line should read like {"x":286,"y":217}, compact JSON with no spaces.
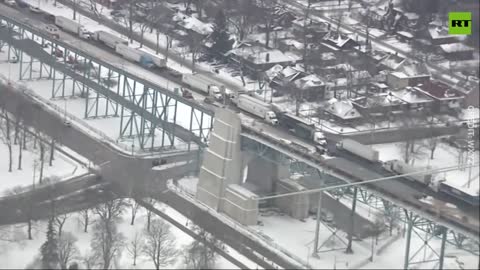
{"x":343,"y":109}
{"x":259,"y":55}
{"x":455,"y":47}
{"x":409,"y":95}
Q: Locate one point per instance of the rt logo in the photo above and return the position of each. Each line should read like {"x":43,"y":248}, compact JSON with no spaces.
{"x":459,"y":23}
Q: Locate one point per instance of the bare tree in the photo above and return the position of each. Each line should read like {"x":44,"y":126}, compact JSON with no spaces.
{"x":199,"y":255}
{"x":135,"y":246}
{"x":306,"y":46}
{"x":159,"y":244}
{"x":52,"y":152}
{"x":266,"y":11}
{"x":60,"y":221}
{"x":110,"y":210}
{"x":242,"y":18}
{"x":25,"y":205}
{"x":6,"y":136}
{"x":90,"y":260}
{"x":67,"y":250}
{"x":107,"y":241}
{"x":295,"y":93}
{"x":85,"y":219}
{"x":42,"y":160}
{"x":194,"y":42}
{"x":20,"y":150}
{"x":134,"y":208}
{"x":150,"y":201}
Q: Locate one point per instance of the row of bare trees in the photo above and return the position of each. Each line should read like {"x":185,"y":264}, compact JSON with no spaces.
{"x":14,"y":133}
{"x":155,"y":242}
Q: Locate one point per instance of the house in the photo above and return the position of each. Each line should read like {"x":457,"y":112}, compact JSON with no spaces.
{"x":397,"y":80}
{"x":457,"y":51}
{"x":312,"y":87}
{"x":377,"y":87}
{"x":381,"y":104}
{"x":336,"y":41}
{"x":439,"y":35}
{"x":391,"y":62}
{"x":285,"y":18}
{"x":415,"y":99}
{"x":316,"y":30}
{"x":255,"y":58}
{"x":342,"y":110}
{"x":290,"y":44}
{"x":445,"y":97}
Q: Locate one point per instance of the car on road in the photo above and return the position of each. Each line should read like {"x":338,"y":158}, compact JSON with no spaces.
{"x":209,"y":100}
{"x":67,"y":123}
{"x":53,"y":30}
{"x":35,"y":10}
{"x":49,"y":18}
{"x":22,"y":4}
{"x":11,"y":3}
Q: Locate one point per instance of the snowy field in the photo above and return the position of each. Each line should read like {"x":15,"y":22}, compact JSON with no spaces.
{"x":21,"y":247}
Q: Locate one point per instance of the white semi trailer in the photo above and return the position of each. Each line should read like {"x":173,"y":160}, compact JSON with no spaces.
{"x":358,"y":149}
{"x":400,"y":167}
{"x":71,"y":26}
{"x":135,"y":55}
{"x":256,"y":107}
{"x":202,"y":83}
{"x":109,"y":39}
{"x":157,"y":60}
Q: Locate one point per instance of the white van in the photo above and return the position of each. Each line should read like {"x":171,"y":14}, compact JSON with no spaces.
{"x":53,"y":30}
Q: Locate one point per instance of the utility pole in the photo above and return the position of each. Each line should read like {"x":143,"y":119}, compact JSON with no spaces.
{"x":317,"y":227}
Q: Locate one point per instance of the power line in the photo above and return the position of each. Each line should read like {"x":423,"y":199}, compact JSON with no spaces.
{"x":439,"y":170}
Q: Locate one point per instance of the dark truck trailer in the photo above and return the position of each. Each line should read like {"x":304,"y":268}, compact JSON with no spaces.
{"x":301,"y":128}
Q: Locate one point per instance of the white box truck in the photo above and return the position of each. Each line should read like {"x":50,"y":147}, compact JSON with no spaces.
{"x":257,"y":107}
{"x":358,"y":149}
{"x":109,"y":39}
{"x":71,"y":26}
{"x":202,"y":83}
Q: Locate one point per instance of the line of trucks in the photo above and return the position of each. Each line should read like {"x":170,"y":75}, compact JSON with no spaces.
{"x":399,"y":167}
{"x":266,"y":111}
{"x":139,"y":55}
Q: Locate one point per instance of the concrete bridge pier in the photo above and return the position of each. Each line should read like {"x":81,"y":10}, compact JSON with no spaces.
{"x":220,"y":180}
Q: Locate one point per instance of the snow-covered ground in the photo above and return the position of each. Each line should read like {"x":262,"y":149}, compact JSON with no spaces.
{"x":10,"y":252}
{"x":62,"y":167}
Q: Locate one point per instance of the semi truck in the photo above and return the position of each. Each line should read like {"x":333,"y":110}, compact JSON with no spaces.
{"x":400,"y":167}
{"x":109,"y":39}
{"x":202,"y":83}
{"x":135,"y":55}
{"x":157,"y":60}
{"x":72,"y":27}
{"x":256,"y":107}
{"x":358,"y":149}
{"x":302,"y":128}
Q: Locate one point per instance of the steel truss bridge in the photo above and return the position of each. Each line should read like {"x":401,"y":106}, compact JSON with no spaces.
{"x":148,"y":111}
